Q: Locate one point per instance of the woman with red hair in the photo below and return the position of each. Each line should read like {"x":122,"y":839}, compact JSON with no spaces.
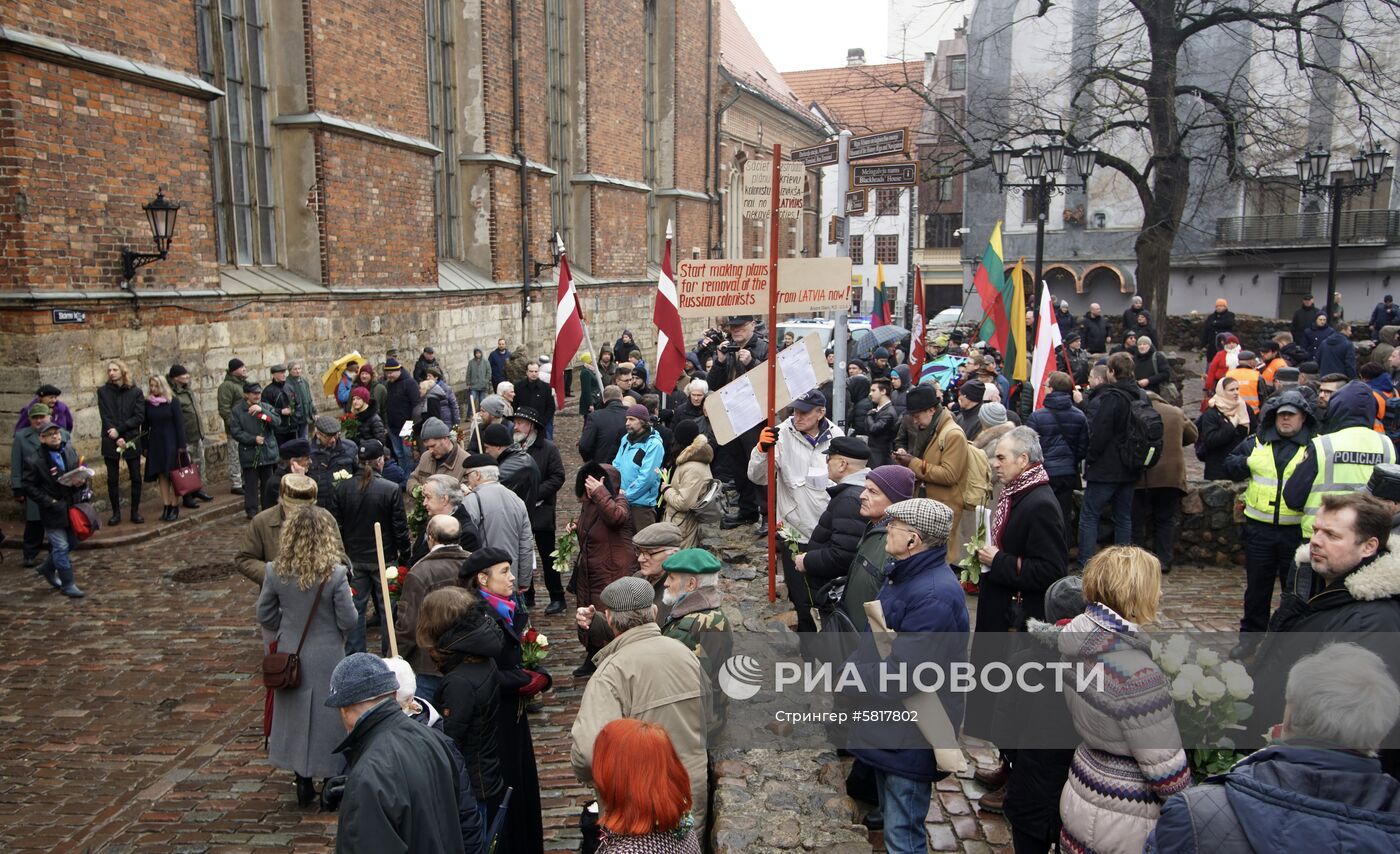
{"x":644,"y":791}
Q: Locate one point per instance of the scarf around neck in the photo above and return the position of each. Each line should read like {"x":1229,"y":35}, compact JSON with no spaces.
{"x":156,"y":400}
{"x":505,"y":607}
{"x":1236,"y":411}
{"x":1023,"y":482}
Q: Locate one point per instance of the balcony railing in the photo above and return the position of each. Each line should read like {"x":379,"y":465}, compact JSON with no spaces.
{"x":1358,"y":228}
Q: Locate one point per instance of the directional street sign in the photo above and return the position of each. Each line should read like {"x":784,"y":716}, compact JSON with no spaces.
{"x":839,"y":229}
{"x":818,"y":155}
{"x":885,"y":175}
{"x":882,"y":144}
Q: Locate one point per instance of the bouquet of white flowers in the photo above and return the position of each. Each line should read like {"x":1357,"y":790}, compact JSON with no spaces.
{"x":1210,"y":696}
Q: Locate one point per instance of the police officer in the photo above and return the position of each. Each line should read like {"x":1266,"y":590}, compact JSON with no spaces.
{"x":1272,"y":530}
{"x":739,"y":352}
{"x":1341,"y":459}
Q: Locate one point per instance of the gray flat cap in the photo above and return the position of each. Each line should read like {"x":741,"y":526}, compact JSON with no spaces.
{"x":328,"y":424}
{"x":659,"y":535}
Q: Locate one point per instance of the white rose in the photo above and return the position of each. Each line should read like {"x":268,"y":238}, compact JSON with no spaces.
{"x":1171,"y":661}
{"x":1192,"y":673}
{"x":1156,"y":650}
{"x":1210,"y":689}
{"x":1232,"y":670}
{"x":1207,"y":657}
{"x":542,"y":641}
{"x":391,"y":573}
{"x":1240,"y":687}
{"x":1180,"y":690}
{"x":1179,"y":642}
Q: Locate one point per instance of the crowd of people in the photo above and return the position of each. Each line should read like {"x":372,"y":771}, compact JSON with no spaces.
{"x":927,"y":490}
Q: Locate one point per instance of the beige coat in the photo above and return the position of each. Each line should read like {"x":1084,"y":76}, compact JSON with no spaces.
{"x":260,"y":542}
{"x":428,"y":465}
{"x":689,"y":481}
{"x":646,"y":676}
{"x":1178,"y":433}
{"x":941,"y":470}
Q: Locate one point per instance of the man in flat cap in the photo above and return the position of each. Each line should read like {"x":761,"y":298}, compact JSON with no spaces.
{"x":799,"y":443}
{"x":330,"y":453}
{"x":696,"y":618}
{"x":655,"y":544}
{"x":254,"y":427}
{"x":278,"y":397}
{"x":837,"y":534}
{"x":649,"y":677}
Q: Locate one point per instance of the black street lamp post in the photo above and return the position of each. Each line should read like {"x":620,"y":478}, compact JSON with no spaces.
{"x":1043,"y":167}
{"x":1367,"y":169}
{"x":161,"y":214}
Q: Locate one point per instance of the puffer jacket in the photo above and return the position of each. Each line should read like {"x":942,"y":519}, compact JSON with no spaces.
{"x":1291,"y":796}
{"x":691,"y":477}
{"x":838,"y":532}
{"x":470,"y":697}
{"x":1064,"y":434}
{"x":1129,"y":760}
{"x":800,"y":466}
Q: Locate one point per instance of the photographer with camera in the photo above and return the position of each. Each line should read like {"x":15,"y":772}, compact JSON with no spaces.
{"x":734,"y":355}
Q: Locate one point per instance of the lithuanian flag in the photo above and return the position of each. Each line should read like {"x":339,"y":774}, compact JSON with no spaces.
{"x":990,"y":281}
{"x":880,"y":308}
{"x":1016,"y":343}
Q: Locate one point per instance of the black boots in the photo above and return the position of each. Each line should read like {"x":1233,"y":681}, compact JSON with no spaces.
{"x":170,"y":514}
{"x":306,"y":791}
{"x":190,"y":502}
{"x":203,"y":496}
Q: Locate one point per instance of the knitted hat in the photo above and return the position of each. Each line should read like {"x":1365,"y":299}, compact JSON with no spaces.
{"x":897,"y":482}
{"x":234,"y":364}
{"x":360,"y":393}
{"x":684,"y":433}
{"x":497,"y":435}
{"x":40,"y":409}
{"x":296,"y":490}
{"x":658,"y":535}
{"x":973,"y":390}
{"x":495,"y":405}
{"x":992,"y":414}
{"x":392,"y":364}
{"x":176,"y":370}
{"x":1065,"y":598}
{"x":639,"y":412}
{"x":932,"y":519}
{"x":328,"y":424}
{"x":359,"y":677}
{"x":628,"y":594}
{"x":433,"y":428}
{"x":692,"y":562}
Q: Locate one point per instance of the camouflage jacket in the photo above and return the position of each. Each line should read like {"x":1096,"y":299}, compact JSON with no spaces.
{"x":698,"y":622}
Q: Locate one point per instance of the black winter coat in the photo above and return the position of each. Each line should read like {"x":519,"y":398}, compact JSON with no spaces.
{"x":124,"y":409}
{"x":401,"y":397}
{"x":469,"y":540}
{"x":1064,"y":434}
{"x":165,"y":438}
{"x":880,"y":427}
{"x":39,"y":480}
{"x":1218,"y":437}
{"x":602,"y":433}
{"x":357,"y":507}
{"x":1107,"y":409}
{"x":519,"y":474}
{"x":1034,"y":533}
{"x":325,"y":462}
{"x":371,"y":425}
{"x":385,"y":809}
{"x":1095,"y":333}
{"x":1303,"y":320}
{"x":276,"y":396}
{"x":470,"y":698}
{"x":537,"y":395}
{"x":723,"y":372}
{"x":515,"y":747}
{"x":837,"y":534}
{"x":1152,"y":366}
{"x":1215,"y":323}
{"x":551,"y":468}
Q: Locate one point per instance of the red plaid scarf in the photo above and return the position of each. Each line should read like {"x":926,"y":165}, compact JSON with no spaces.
{"x":1025,"y":481}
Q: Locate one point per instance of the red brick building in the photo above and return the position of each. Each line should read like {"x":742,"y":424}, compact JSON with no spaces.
{"x":351,"y":174}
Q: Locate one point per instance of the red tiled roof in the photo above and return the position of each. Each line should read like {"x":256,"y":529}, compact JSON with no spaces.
{"x":745,"y":61}
{"x":865,"y":98}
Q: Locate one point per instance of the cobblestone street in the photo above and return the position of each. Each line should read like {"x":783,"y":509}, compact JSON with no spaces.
{"x":132,"y":721}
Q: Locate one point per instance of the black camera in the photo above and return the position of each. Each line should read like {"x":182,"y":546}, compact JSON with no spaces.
{"x":731,"y":347}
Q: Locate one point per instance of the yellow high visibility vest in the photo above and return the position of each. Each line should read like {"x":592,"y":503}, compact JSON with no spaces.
{"x":1344,"y":462}
{"x":1263,"y":498}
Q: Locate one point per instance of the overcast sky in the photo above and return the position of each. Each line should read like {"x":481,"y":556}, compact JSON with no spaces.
{"x":802,"y":34}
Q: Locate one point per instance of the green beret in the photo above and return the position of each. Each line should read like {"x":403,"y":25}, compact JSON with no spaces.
{"x":692,"y":562}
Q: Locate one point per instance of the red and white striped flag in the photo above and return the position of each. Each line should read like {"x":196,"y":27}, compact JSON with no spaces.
{"x":670,"y":339}
{"x":1047,"y":342}
{"x":568,"y":326}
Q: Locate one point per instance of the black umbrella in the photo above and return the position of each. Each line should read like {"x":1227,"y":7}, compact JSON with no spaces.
{"x":869,"y":339}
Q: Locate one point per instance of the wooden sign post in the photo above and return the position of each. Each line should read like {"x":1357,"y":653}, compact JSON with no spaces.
{"x":388,"y":615}
{"x":773,"y":520}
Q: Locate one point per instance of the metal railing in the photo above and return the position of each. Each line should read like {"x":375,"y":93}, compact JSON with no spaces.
{"x":1375,"y":227}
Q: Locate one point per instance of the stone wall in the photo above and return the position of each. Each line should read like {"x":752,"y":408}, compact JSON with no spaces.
{"x":1211,"y":520}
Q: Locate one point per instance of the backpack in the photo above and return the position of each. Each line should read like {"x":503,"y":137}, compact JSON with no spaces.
{"x":709,"y":506}
{"x":1142,"y":444}
{"x":977,"y":485}
{"x":1389,"y":418}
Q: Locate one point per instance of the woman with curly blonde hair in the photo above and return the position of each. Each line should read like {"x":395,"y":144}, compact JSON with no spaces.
{"x":122,"y":408}
{"x":306,"y":608}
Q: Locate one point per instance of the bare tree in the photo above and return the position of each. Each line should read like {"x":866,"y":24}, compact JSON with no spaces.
{"x":1172,"y":91}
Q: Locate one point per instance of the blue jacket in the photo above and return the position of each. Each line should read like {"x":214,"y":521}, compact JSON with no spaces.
{"x":1288,"y":797}
{"x":1313,"y":336}
{"x":1336,"y":355}
{"x":921,"y":595}
{"x":638,"y":463}
{"x":1383,"y":315}
{"x":498,"y":366}
{"x":1064,"y":434}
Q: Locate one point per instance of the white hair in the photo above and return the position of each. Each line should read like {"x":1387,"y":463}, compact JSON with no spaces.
{"x":710,"y":579}
{"x":1342,"y":695}
{"x":1024,"y":440}
{"x":697,"y":385}
{"x":447,"y":487}
{"x":488,"y":473}
{"x":1142,"y":338}
{"x":504,"y":386}
{"x":408,"y":683}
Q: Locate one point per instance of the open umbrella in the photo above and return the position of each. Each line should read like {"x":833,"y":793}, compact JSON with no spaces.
{"x":332,"y":375}
{"x":868,"y":339}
